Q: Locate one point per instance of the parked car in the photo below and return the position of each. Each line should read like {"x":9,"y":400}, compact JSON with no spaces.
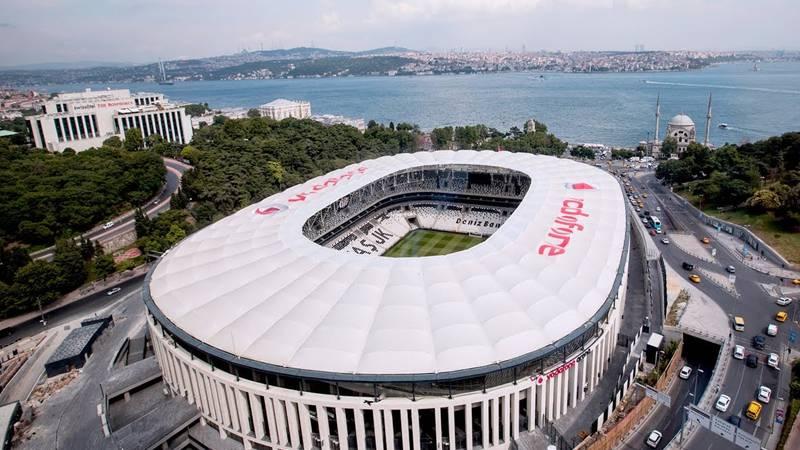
{"x":686,"y":372}
{"x":751,"y":361}
{"x":735,"y":420}
{"x":781,"y":316}
{"x":723,"y":403}
{"x":687,"y":266}
{"x":764,"y":394}
{"x":772,"y":330}
{"x":665,"y":241}
{"x":796,"y":282}
{"x":654,"y":438}
{"x":783,"y":301}
{"x":658,"y":208}
{"x":695,"y":278}
{"x":108,"y":225}
{"x":738,"y":352}
{"x":773,"y":360}
{"x":759,"y":341}
{"x":113,"y":291}
{"x":705,"y":240}
{"x":653,"y":232}
{"x":730,"y":269}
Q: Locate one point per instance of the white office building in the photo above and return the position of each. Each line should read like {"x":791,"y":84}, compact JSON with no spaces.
{"x":281,"y":109}
{"x":81,"y":120}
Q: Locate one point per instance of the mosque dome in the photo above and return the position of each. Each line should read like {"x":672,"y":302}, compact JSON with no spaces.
{"x":681,"y":120}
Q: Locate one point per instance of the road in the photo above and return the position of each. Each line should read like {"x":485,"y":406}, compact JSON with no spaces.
{"x":125,"y":222}
{"x":754,"y":305}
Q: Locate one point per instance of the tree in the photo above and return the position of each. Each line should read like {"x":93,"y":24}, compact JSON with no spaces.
{"x":277,"y":172}
{"x":67,"y":257}
{"x":764,"y":200}
{"x":179,"y":200}
{"x":87,"y":248}
{"x":104,"y":266}
{"x":253,"y":113}
{"x":175,"y":235}
{"x":669,"y":147}
{"x":582,"y":152}
{"x":196,"y":109}
{"x":442,"y":138}
{"x":143,"y":225}
{"x":39,"y":281}
{"x":113,"y":142}
{"x":133,"y":140}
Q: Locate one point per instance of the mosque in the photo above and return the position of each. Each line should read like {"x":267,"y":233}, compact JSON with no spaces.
{"x":681,"y":128}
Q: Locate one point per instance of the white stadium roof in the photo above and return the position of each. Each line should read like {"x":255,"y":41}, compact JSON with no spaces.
{"x":254,"y":286}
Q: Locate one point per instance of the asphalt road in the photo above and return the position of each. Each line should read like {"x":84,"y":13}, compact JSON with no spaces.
{"x":126,"y":222}
{"x":754,"y":305}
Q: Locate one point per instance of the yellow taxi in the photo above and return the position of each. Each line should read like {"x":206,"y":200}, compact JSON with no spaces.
{"x":644,"y":195}
{"x":796,"y":282}
{"x":753,"y":410}
{"x":781,"y":316}
{"x":694,"y":278}
{"x":705,"y":240}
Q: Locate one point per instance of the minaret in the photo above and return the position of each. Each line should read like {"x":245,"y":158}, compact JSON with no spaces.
{"x":655,"y":149}
{"x":708,"y":122}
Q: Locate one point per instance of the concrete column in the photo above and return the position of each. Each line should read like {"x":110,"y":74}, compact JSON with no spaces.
{"x":223,"y":403}
{"x":258,"y":416}
{"x":495,"y":405}
{"x":324,"y":432}
{"x":341,"y":428}
{"x":506,"y":406}
{"x":378,"y":428}
{"x":361,"y":435}
{"x":415,"y":432}
{"x":550,"y":388}
{"x":294,"y":428}
{"x":244,"y":414}
{"x":468,"y":424}
{"x":280,"y":422}
{"x":389,"y":427}
{"x":515,"y":414}
{"x":531,"y":407}
{"x":404,"y":429}
{"x":305,"y":425}
{"x":233,"y":405}
{"x":451,"y":426}
{"x":272,"y":426}
{"x":485,"y":424}
{"x":212,"y":400}
{"x":438,"y":428}
{"x":541,"y":400}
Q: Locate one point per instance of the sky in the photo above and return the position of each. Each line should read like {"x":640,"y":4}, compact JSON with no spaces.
{"x":139,"y":31}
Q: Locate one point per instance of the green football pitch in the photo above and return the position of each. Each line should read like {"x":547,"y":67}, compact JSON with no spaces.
{"x":431,"y":243}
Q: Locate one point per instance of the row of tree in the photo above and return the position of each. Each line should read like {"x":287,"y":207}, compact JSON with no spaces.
{"x":762,"y":176}
{"x":481,"y":137}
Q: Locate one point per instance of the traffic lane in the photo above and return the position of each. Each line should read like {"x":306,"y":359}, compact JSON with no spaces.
{"x":741,"y":384}
{"x":72,"y":311}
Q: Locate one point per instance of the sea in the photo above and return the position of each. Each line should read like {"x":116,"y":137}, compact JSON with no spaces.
{"x":615,"y":109}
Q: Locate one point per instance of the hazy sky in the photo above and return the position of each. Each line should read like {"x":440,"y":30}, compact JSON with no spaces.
{"x":34,"y":31}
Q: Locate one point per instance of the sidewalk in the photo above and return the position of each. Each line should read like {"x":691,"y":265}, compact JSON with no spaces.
{"x":752,"y":260}
{"x":76,"y":295}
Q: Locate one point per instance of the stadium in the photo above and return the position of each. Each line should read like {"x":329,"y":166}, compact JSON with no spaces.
{"x":450,"y":299}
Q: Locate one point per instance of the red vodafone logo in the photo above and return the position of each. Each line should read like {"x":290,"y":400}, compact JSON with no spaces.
{"x":582,"y":186}
{"x":270,"y":209}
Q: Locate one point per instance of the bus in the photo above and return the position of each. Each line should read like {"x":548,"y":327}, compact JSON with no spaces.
{"x":655,"y":223}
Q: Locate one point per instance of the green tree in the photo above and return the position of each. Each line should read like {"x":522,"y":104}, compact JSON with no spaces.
{"x":253,"y":113}
{"x":68,"y":259}
{"x":104,"y":266}
{"x":442,"y":138}
{"x":582,"y":152}
{"x":87,"y":248}
{"x":113,"y":142}
{"x":764,"y":200}
{"x":144,"y":225}
{"x":669,"y":147}
{"x":39,"y":281}
{"x":277,"y":172}
{"x":196,"y":109}
{"x":133,"y":140}
{"x":175,"y":235}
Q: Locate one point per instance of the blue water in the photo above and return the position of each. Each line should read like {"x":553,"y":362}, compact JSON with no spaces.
{"x":614,"y":109}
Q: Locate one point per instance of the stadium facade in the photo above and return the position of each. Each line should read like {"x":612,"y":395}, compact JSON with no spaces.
{"x":283,"y":337}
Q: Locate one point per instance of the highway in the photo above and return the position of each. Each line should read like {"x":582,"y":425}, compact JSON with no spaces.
{"x":125,"y":222}
{"x":754,"y":305}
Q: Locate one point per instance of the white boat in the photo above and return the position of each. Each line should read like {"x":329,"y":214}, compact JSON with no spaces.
{"x":723,"y":125}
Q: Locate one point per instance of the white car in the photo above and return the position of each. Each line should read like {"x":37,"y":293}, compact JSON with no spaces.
{"x":772,"y":330}
{"x":764,"y":394}
{"x":658,"y":208}
{"x":654,"y":438}
{"x":665,"y":241}
{"x":685,"y":372}
{"x":773,"y":360}
{"x":783,"y":301}
{"x":108,"y":225}
{"x":723,"y":403}
{"x":113,"y":291}
{"x":738,"y":352}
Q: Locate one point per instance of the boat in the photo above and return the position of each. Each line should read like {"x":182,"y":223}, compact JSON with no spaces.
{"x":163,"y":80}
{"x":723,"y":125}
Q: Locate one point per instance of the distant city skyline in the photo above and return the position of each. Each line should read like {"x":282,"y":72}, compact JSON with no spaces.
{"x":116,"y":31}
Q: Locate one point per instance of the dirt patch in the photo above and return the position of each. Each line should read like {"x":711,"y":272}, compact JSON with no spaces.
{"x":677,"y":308}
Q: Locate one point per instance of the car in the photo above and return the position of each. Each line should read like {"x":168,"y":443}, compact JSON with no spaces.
{"x":738,"y":352}
{"x":155,"y":202}
{"x":108,"y":225}
{"x":735,"y":420}
{"x":665,"y":241}
{"x":783,"y":301}
{"x":686,"y":372}
{"x":654,"y":438}
{"x":730,"y":269}
{"x":764,"y":394}
{"x":772,"y":330}
{"x":796,"y":282}
{"x":694,"y":278}
{"x":644,"y":220}
{"x":781,"y":316}
{"x":722,"y":403}
{"x":705,"y":240}
{"x":751,"y":361}
{"x":753,"y":410}
{"x":653,"y":232}
{"x":644,"y":195}
{"x":113,"y":291}
{"x":658,"y":208}
{"x":638,"y":209}
{"x":641,"y":215}
{"x":759,"y":341}
{"x":646,"y":213}
{"x":687,"y":266}
{"x":773,"y":360}
{"x":659,"y":231}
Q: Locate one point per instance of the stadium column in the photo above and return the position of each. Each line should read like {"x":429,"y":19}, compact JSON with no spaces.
{"x":220,"y":391}
{"x":244,"y":415}
{"x":324,"y":432}
{"x":404,"y":428}
{"x":258,"y":416}
{"x":485,"y":427}
{"x":451,"y":426}
{"x":515,"y":414}
{"x":378,"y":428}
{"x":542,"y":399}
{"x":591,"y":373}
{"x":305,"y":425}
{"x":361,"y":439}
{"x":389,"y":427}
{"x":341,"y":428}
{"x":495,"y":404}
{"x":468,"y":424}
{"x":565,"y":393}
{"x":506,"y":405}
{"x":280,"y":422}
{"x":557,"y":396}
{"x":271,"y":423}
{"x":550,"y":388}
{"x":230,"y":395}
{"x":531,"y":407}
{"x":437,"y":419}
{"x":415,"y":434}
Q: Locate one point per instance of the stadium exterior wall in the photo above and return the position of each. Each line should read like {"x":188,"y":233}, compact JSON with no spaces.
{"x":264,"y":416}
